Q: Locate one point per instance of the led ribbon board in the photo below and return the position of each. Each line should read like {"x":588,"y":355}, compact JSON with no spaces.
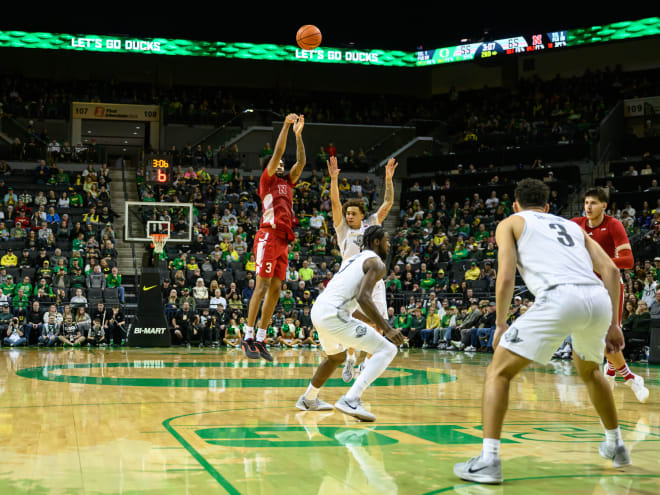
{"x":542,"y":41}
{"x":250,"y":51}
{"x":217,"y":49}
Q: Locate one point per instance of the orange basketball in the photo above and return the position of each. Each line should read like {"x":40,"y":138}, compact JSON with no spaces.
{"x":308,"y":37}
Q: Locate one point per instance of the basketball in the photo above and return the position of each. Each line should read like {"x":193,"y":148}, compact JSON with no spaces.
{"x":308,"y":37}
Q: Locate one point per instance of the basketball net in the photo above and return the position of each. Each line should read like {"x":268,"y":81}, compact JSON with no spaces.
{"x":159,"y":241}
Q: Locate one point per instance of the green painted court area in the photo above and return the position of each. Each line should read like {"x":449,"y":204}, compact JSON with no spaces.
{"x":129,"y":421}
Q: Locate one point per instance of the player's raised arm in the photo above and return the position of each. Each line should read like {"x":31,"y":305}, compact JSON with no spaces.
{"x":375,"y":270}
{"x":280,"y":145}
{"x":388,"y":197}
{"x":301,"y":160}
{"x":609,"y":273}
{"x":507,"y":256}
{"x":333,"y":170}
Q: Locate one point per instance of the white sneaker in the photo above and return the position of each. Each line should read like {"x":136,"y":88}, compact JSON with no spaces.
{"x":637,"y":386}
{"x":349,"y":371}
{"x":477,"y":470}
{"x":619,"y":455}
{"x":458,"y":344}
{"x":425,"y":345}
{"x":470,"y":348}
{"x":355,"y":410}
{"x":312,"y":405}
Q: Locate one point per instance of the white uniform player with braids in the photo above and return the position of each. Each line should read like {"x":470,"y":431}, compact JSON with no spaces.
{"x":340,"y":325}
{"x":350,"y":223}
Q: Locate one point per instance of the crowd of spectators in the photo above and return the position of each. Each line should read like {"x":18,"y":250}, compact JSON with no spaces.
{"x":58,"y":254}
{"x":557,"y":112}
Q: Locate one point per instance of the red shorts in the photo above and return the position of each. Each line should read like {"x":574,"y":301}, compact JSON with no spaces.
{"x":271,"y":254}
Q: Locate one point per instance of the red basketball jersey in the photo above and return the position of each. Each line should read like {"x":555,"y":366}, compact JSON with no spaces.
{"x":610,"y":234}
{"x":277,"y":202}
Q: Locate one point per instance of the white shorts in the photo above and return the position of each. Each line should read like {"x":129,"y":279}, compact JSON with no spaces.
{"x":337,"y":335}
{"x":380,"y":299}
{"x":582,"y":311}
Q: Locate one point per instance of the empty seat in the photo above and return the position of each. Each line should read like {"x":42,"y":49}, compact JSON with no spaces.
{"x":111,"y":295}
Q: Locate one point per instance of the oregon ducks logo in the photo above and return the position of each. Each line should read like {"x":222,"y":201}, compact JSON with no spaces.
{"x":511,"y":335}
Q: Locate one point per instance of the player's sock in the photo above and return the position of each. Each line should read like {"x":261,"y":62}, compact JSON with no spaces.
{"x":378,"y":363}
{"x":249,"y":332}
{"x":351,"y":357}
{"x":490,"y":450}
{"x":625,"y":372}
{"x":261,"y":334}
{"x":312,"y":392}
{"x":613,"y":437}
{"x":611,"y":370}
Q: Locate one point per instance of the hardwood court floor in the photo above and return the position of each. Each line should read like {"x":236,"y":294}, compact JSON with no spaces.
{"x":189,"y":421}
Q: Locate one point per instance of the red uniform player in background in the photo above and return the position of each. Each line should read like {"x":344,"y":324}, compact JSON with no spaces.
{"x":611,"y":235}
{"x":274,"y":235}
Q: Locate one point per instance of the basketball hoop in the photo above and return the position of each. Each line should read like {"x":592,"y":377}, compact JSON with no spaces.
{"x":159,"y":241}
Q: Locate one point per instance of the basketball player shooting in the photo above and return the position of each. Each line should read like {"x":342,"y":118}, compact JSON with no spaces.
{"x":275,"y":233}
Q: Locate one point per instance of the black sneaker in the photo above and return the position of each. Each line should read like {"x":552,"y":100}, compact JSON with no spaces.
{"x":250,"y":349}
{"x":263,"y":351}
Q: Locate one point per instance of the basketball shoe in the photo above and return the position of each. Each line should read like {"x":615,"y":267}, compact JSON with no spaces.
{"x":479,"y":471}
{"x":638,"y":388}
{"x":263,"y":352}
{"x":618,"y":454}
{"x":312,"y":405}
{"x":250,"y":349}
{"x":356,"y":410}
{"x":349,"y":370}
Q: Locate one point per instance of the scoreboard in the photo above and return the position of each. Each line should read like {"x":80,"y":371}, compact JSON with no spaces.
{"x":505,"y":46}
{"x":159,"y":169}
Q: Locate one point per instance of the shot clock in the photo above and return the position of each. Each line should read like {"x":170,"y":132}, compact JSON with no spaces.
{"x":159,"y":168}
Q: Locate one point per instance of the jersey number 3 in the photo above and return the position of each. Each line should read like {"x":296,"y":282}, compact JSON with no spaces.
{"x":562,"y":235}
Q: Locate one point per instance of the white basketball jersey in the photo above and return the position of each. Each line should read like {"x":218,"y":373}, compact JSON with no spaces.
{"x":339,"y":296}
{"x":551,"y":252}
{"x":350,"y":240}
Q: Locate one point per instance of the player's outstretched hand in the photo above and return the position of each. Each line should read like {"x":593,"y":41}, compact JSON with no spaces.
{"x":298,"y":126}
{"x":333,"y":170}
{"x":390,"y":168}
{"x":614,"y":342}
{"x":292,"y":118}
{"x":394,"y":335}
